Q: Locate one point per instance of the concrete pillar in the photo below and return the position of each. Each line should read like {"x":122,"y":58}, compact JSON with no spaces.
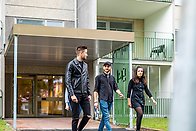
{"x":2,"y":59}
{"x":87,"y":14}
{"x":183,"y":115}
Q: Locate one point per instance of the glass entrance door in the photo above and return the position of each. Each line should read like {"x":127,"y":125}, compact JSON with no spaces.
{"x":25,"y":96}
{"x":121,"y":73}
{"x":49,"y":95}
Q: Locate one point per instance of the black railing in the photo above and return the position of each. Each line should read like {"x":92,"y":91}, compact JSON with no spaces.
{"x":167,"y":1}
{"x":157,"y":49}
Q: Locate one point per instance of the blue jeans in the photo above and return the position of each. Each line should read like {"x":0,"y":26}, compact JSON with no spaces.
{"x":105,"y":120}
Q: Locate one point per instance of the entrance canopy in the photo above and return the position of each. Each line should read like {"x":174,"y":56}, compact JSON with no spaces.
{"x":42,"y":45}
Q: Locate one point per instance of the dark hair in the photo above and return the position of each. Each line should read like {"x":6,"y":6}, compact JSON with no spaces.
{"x":80,"y":48}
{"x":135,"y":77}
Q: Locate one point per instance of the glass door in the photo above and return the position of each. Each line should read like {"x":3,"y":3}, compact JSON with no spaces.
{"x":50,"y":95}
{"x":121,"y":73}
{"x":25,"y":96}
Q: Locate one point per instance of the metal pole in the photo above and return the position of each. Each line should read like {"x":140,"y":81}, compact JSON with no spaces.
{"x":130,"y":76}
{"x":76,"y":14}
{"x":15,"y":81}
{"x":183,"y":114}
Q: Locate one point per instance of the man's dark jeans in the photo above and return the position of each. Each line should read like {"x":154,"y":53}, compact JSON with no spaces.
{"x":84,"y":103}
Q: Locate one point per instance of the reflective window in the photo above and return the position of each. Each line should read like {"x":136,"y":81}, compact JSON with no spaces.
{"x":121,"y":26}
{"x":101,"y":25}
{"x":30,"y":22}
{"x":115,"y":25}
{"x":55,"y":23}
{"x":41,"y":22}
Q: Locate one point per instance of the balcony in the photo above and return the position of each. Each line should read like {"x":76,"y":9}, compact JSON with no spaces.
{"x":158,"y":47}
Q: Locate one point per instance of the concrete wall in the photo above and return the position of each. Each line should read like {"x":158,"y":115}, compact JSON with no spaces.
{"x":87,"y":14}
{"x":166,"y":82}
{"x":178,"y":2}
{"x":177,"y":17}
{"x":44,"y":9}
{"x":160,"y":22}
{"x":139,"y":38}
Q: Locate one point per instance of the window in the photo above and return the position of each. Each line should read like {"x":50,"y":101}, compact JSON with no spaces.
{"x":55,"y":23}
{"x":121,"y":26}
{"x":30,"y":22}
{"x":115,"y":25}
{"x":101,"y":25}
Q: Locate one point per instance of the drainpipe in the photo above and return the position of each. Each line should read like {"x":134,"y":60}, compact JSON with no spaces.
{"x":1,"y":50}
{"x":130,"y":76}
{"x":76,"y":14}
{"x":2,"y":36}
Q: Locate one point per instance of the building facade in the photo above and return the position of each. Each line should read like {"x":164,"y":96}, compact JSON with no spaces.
{"x":43,"y":52}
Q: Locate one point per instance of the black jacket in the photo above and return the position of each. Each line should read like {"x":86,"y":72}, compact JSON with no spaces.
{"x":137,"y":90}
{"x":76,"y":78}
{"x":105,"y":86}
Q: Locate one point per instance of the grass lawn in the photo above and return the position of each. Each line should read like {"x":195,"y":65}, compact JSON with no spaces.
{"x":155,"y":123}
{"x":4,"y":126}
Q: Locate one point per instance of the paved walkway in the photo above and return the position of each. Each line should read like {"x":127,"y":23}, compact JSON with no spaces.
{"x":53,"y":124}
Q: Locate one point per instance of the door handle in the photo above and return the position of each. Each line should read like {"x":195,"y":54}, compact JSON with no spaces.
{"x":43,"y":98}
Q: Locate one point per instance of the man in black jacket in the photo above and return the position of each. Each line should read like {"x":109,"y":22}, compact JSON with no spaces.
{"x":105,"y":84}
{"x":77,"y":82}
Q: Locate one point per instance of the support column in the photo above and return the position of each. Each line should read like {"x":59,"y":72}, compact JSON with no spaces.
{"x":184,"y":99}
{"x":130,"y":76}
{"x":15,"y":81}
{"x":2,"y":58}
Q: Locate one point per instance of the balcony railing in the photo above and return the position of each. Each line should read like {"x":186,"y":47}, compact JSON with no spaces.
{"x":162,"y":109}
{"x":153,"y":48}
{"x":167,"y":1}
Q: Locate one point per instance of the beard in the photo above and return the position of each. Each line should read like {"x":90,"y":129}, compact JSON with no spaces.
{"x":84,"y":58}
{"x":107,"y":71}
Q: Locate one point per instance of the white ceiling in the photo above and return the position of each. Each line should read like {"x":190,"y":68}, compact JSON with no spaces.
{"x":134,"y":9}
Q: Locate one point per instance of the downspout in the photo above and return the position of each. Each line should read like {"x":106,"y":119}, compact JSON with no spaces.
{"x":75,"y":14}
{"x":2,"y":37}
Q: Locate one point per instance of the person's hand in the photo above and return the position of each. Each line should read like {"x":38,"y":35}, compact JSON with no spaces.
{"x":121,"y":95}
{"x":129,"y":104}
{"x":74,"y":99}
{"x":67,"y":106}
{"x":89,"y":97}
{"x":155,"y":103}
{"x":96,"y":105}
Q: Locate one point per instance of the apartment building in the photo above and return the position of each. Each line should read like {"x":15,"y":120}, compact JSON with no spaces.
{"x":39,"y":37}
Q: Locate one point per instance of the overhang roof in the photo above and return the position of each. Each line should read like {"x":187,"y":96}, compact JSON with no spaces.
{"x":133,"y":9}
{"x":42,"y":45}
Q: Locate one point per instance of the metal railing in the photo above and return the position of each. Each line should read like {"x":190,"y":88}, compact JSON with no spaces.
{"x":162,"y":109}
{"x":167,"y":1}
{"x":150,"y":48}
